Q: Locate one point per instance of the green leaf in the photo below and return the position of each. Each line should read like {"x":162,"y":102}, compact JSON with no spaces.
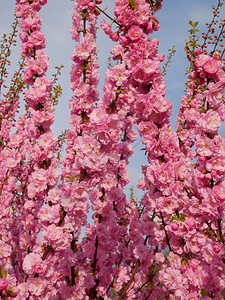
{"x":223,"y":293}
{"x":3,"y":273}
{"x":70,"y":177}
{"x":204,"y":293}
{"x":195,"y":24}
{"x":10,"y":291}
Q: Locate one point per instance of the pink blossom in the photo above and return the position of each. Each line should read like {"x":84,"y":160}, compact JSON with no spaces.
{"x":54,"y":195}
{"x":198,"y":277}
{"x":38,"y":268}
{"x":29,"y":204}
{"x":210,"y":121}
{"x":197,"y":52}
{"x":219,"y":191}
{"x":106,"y":27}
{"x":16,"y":140}
{"x":117,"y":51}
{"x":140,"y":252}
{"x":35,"y":95}
{"x":49,"y":214}
{"x":123,"y":13}
{"x":171,"y":277}
{"x":31,"y":22}
{"x":159,"y":258}
{"x":191,"y":222}
{"x":57,"y":236}
{"x":54,"y":233}
{"x":150,"y":66}
{"x":5,"y":250}
{"x":135,"y":33}
{"x":201,"y":60}
{"x":30,"y":261}
{"x":174,"y":226}
{"x":3,"y":284}
{"x":211,"y":66}
{"x":91,"y":5}
{"x":80,"y":53}
{"x":216,"y":164}
{"x":118,"y":73}
{"x":215,"y":93}
{"x":83,"y":50}
{"x":38,"y":39}
{"x":141,"y":13}
{"x":204,"y":146}
{"x":52,"y":176}
{"x":139,"y":73}
{"x":216,"y":248}
{"x":23,"y":291}
{"x":37,"y":286}
{"x":47,"y":140}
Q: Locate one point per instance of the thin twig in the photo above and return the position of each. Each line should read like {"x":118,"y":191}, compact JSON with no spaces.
{"x":164,"y":226}
{"x":130,"y":281}
{"x":113,"y":20}
{"x":220,"y":230}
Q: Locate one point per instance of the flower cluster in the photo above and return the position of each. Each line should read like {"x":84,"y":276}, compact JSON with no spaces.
{"x":170,"y":244}
{"x":30,"y":169}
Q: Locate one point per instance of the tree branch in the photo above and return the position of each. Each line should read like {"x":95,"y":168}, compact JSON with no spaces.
{"x":164,"y":227}
{"x":102,"y":11}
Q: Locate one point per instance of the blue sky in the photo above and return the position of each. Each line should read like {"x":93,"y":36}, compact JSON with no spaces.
{"x":173,"y":18}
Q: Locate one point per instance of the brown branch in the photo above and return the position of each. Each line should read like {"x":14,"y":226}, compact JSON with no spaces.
{"x":50,"y":248}
{"x":221,"y":56}
{"x":85,"y":62}
{"x":72,"y":268}
{"x":124,"y":290}
{"x":62,"y":217}
{"x":210,"y":25}
{"x":95,"y":255}
{"x":164,"y":225}
{"x":47,"y":250}
{"x":218,"y":38}
{"x":93,"y":290}
{"x":102,"y":11}
{"x":130,"y":281}
{"x":220,"y":229}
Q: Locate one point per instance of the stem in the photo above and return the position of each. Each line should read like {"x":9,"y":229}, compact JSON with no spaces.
{"x":121,"y":258}
{"x":84,"y":22}
{"x":220,"y":229}
{"x":85,"y":62}
{"x":47,"y":250}
{"x":151,"y":292}
{"x":62,"y":217}
{"x":222,"y":53}
{"x":164,"y":227}
{"x":113,"y":20}
{"x":218,"y":38}
{"x":130,"y":281}
{"x":8,"y":50}
{"x":209,"y":28}
{"x":132,"y":275}
{"x":93,"y":291}
{"x":95,"y":255}
{"x":73,"y":273}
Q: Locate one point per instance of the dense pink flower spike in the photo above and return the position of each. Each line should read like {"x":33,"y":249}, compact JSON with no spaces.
{"x":29,"y":169}
{"x":168,"y":245}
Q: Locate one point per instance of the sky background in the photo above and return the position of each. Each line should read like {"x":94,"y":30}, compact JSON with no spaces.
{"x":173,"y":18}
